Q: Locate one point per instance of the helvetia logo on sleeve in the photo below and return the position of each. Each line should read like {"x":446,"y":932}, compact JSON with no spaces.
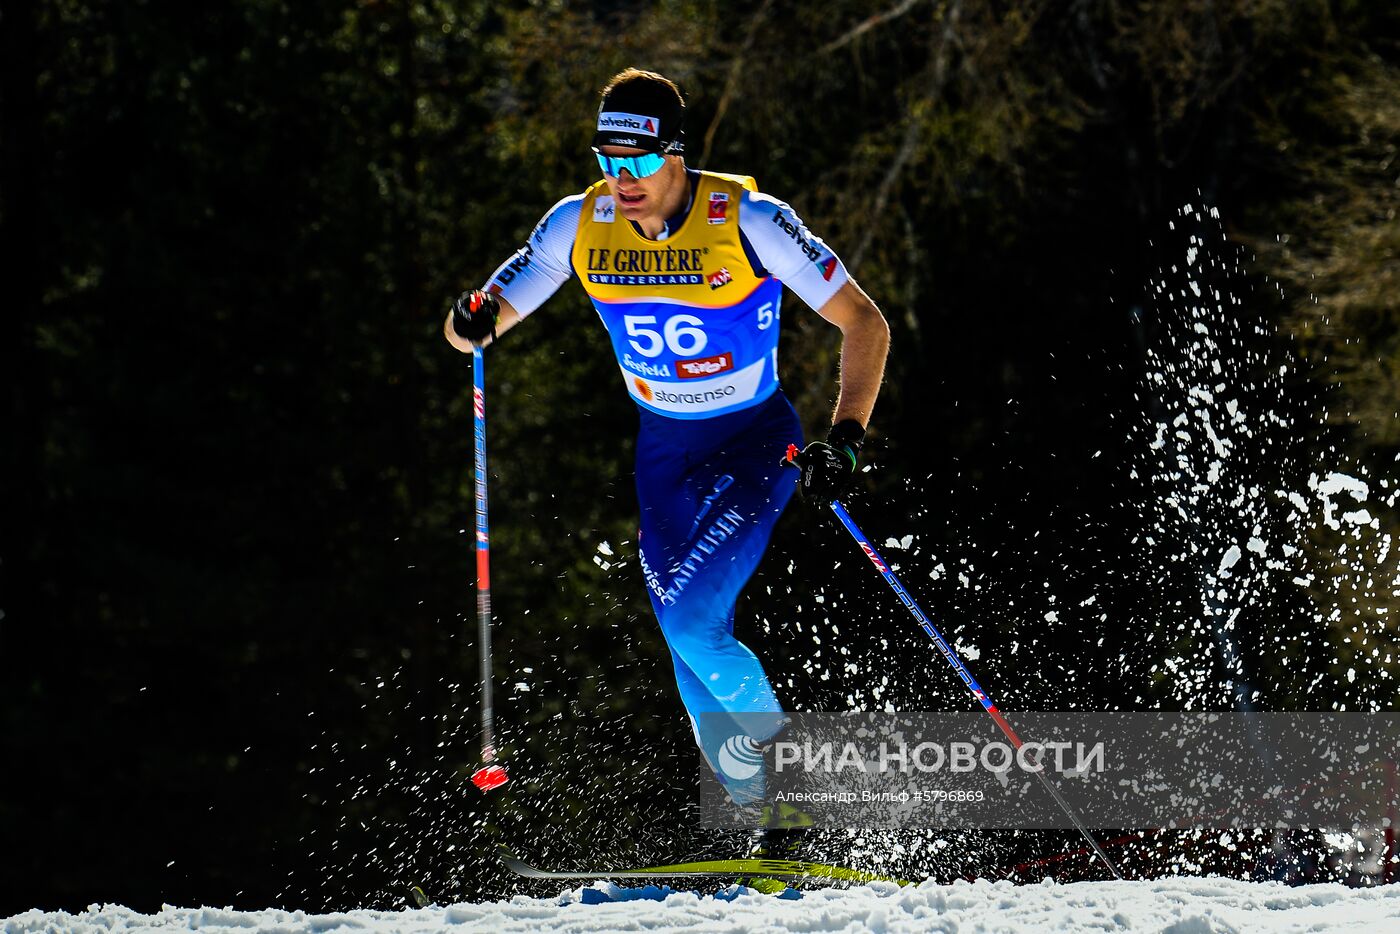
{"x":795,"y":233}
{"x":826,"y":264}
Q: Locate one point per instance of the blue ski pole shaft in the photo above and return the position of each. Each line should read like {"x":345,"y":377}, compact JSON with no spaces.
{"x":963,"y":674}
{"x":483,"y":557}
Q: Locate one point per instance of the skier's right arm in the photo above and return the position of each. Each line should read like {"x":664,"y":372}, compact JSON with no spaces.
{"x":534,"y":273}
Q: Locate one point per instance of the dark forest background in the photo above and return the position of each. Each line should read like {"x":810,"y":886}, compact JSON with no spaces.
{"x":238,"y":634}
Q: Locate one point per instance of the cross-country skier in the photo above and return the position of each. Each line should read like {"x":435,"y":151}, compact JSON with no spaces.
{"x":686,"y":270}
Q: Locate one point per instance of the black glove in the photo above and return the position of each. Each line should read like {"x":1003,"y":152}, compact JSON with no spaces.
{"x":474,"y":315}
{"x":827,"y":466}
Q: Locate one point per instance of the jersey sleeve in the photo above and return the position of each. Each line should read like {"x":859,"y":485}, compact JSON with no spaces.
{"x":789,"y":251}
{"x":538,"y":268}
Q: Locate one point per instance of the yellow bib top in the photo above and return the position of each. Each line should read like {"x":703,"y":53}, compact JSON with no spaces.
{"x":693,"y":327}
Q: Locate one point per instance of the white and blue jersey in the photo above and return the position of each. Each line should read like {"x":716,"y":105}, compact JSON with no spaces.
{"x":693,"y":317}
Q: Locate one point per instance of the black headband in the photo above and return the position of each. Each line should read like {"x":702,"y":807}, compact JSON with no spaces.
{"x":641,"y":114}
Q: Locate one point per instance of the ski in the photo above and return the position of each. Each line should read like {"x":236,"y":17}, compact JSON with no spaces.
{"x":785,"y":869}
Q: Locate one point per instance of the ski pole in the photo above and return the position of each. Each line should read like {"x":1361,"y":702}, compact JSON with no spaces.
{"x":489,"y":775}
{"x":959,"y":668}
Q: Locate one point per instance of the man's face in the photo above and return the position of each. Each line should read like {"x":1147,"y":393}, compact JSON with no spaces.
{"x":638,"y":199}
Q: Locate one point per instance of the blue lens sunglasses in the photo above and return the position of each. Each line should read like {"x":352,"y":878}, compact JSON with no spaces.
{"x":642,"y":166}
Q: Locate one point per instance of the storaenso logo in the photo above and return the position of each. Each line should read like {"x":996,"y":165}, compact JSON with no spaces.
{"x":692,"y":398}
{"x":795,"y":232}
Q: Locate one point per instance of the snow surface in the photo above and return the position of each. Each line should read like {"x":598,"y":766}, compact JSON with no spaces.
{"x":1178,"y":905}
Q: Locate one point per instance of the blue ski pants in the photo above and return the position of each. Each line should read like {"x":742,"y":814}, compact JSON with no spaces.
{"x":710,"y":491}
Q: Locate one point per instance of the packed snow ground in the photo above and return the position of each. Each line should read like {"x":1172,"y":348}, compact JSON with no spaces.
{"x":1180,"y":906}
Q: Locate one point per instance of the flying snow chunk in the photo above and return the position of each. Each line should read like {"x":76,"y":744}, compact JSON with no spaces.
{"x":1341,"y":483}
{"x":1340,"y":840}
{"x":1230,"y":559}
{"x":605,"y":548}
{"x":904,"y":542}
{"x":969,"y":652}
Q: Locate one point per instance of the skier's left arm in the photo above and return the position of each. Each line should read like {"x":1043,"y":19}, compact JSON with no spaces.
{"x":865,"y":342}
{"x":787,"y":250}
{"x":828,"y":466}
{"x":783,"y":246}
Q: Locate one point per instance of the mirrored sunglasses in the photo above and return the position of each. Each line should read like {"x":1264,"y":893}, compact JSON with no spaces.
{"x":640,"y":166}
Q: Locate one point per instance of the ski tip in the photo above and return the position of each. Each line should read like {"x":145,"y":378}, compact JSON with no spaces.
{"x":420,"y":897}
{"x":517,"y":865}
{"x":509,"y":856}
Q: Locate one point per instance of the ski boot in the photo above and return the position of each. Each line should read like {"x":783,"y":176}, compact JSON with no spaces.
{"x":780,"y":838}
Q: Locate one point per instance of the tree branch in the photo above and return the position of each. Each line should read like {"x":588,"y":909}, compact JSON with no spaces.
{"x":732,"y":81}
{"x":866,"y":25}
{"x":912,"y":130}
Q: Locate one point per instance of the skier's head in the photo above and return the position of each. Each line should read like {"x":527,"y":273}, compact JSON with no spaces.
{"x":639,"y":140}
{"x":641,"y":110}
